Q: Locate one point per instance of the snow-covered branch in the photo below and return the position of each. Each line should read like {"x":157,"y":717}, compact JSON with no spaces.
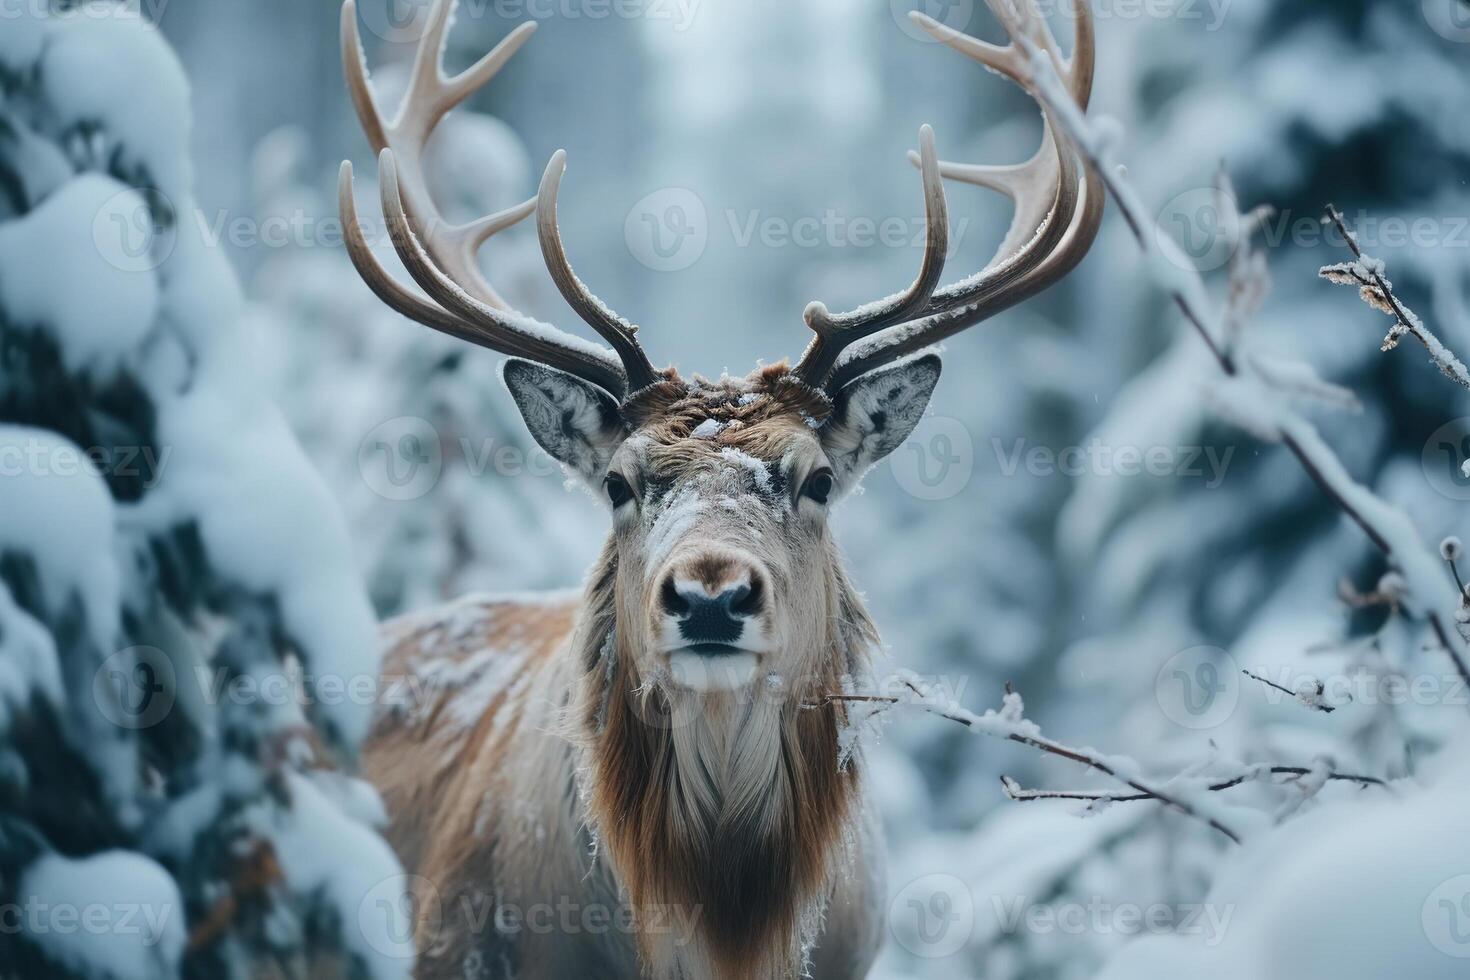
{"x":1368,"y":275}
{"x":1309,"y":696}
{"x":1011,"y":724}
{"x":1247,"y":396}
{"x":1014,"y":790}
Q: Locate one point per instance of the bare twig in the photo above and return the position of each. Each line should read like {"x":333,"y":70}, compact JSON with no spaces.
{"x":1020,"y":795}
{"x":1313,"y":702}
{"x":1366,"y":273}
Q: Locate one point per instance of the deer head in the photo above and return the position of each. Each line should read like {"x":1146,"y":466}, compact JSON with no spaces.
{"x":719,"y":576}
{"x":719,"y":491}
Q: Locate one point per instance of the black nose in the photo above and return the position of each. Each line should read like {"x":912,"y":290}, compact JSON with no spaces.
{"x":704,"y":618}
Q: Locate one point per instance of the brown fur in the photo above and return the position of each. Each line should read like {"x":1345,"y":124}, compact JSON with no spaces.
{"x":533,"y":743}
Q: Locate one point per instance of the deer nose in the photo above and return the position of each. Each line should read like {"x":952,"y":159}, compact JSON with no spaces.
{"x":711,"y":618}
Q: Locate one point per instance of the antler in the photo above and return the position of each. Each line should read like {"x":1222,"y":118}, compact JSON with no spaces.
{"x":440,"y":256}
{"x":1058,"y":209}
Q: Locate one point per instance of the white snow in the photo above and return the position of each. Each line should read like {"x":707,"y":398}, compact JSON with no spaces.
{"x":21,"y":42}
{"x":55,"y":508}
{"x":708,"y":429}
{"x":1359,"y":889}
{"x":757,"y":468}
{"x":322,"y":850}
{"x":268,"y":523}
{"x":30,"y":655}
{"x":114,"y":916}
{"x":119,"y":72}
{"x":74,"y":267}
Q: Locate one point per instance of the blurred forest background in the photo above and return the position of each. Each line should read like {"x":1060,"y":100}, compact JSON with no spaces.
{"x":1008,"y":542}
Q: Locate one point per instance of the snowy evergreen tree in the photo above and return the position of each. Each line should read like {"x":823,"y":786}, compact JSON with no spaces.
{"x":185,"y":642}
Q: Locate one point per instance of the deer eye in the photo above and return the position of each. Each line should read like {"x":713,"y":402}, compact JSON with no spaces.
{"x":819,"y":486}
{"x":618,"y":491}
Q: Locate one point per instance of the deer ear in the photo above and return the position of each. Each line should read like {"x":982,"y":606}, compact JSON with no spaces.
{"x":873,"y":415}
{"x":575,"y":421}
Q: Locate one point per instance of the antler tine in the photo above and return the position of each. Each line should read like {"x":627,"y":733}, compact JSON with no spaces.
{"x":462,"y":317}
{"x":429,"y":96}
{"x":618,"y":332}
{"x":1058,"y":207}
{"x":833,"y":333}
{"x":383,"y":285}
{"x":441,"y":257}
{"x":1031,"y":185}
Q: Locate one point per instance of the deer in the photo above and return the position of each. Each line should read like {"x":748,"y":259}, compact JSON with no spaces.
{"x":631,"y":779}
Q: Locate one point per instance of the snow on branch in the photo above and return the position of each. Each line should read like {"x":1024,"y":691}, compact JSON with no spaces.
{"x":1254,"y":398}
{"x":1011,"y":724}
{"x":1367,"y":274}
{"x":1015,"y":791}
{"x":1309,"y":695}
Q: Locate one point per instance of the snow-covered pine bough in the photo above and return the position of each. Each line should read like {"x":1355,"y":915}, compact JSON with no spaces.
{"x":626,"y":781}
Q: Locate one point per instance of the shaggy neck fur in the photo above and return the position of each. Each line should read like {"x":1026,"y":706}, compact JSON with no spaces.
{"x":730,"y":809}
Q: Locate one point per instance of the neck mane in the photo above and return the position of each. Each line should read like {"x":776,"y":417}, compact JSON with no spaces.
{"x":729,"y":811}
